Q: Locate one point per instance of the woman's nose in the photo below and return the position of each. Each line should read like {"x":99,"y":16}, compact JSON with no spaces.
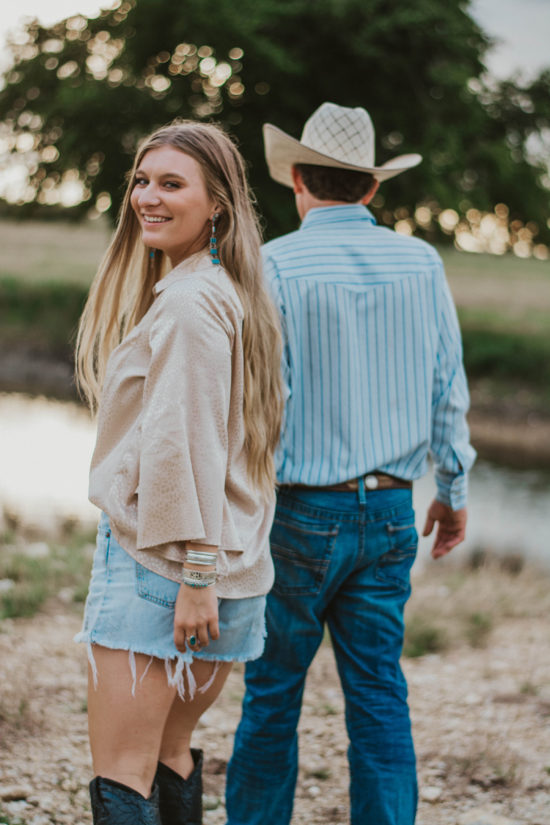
{"x":149,"y":194}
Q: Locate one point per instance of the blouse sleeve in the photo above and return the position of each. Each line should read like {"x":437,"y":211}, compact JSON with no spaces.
{"x":183,"y":437}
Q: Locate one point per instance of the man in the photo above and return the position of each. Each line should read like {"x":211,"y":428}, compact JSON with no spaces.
{"x":373,"y":362}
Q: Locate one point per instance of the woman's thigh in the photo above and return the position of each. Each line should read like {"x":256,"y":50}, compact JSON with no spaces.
{"x":129,"y":732}
{"x":126,"y":728}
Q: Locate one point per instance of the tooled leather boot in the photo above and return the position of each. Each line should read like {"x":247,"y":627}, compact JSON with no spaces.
{"x":180,"y":800}
{"x":116,"y":804}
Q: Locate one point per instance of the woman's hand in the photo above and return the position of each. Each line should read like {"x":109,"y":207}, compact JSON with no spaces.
{"x":196,"y":615}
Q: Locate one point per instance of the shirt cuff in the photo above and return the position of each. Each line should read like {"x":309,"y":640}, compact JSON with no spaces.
{"x":452,"y":489}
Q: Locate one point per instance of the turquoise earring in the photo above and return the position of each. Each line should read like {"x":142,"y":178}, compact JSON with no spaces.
{"x":213,"y":240}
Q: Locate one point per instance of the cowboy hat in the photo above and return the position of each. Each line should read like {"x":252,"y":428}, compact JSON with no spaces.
{"x":336,"y":136}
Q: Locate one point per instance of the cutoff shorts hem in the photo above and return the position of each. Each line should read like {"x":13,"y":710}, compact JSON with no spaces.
{"x":204,"y":655}
{"x":132,"y":608}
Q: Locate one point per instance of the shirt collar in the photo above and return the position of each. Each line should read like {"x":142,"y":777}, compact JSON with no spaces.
{"x":198,"y":262}
{"x":342,"y":212}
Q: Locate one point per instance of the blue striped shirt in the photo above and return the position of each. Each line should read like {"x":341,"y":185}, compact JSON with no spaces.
{"x":373,"y":355}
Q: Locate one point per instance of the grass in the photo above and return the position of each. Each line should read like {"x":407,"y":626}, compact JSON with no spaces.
{"x":423,"y":636}
{"x":44,"y":315}
{"x":472,"y":268}
{"x":506,"y":354}
{"x":31,"y":579}
{"x":70,"y":253}
{"x":460,"y":605}
{"x":503,"y":302}
{"x":486,"y":764}
{"x":66,"y":253}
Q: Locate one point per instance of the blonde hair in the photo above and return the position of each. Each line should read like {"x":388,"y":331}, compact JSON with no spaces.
{"x":121,"y":292}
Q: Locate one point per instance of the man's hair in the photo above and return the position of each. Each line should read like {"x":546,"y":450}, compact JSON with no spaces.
{"x":327,"y":183}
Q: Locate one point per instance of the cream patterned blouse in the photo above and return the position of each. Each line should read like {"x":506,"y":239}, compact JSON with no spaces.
{"x":169,"y":464}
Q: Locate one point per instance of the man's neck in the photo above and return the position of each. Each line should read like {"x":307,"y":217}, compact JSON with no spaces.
{"x":315,"y":203}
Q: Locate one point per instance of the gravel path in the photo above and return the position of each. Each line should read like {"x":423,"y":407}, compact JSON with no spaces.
{"x":481,"y":720}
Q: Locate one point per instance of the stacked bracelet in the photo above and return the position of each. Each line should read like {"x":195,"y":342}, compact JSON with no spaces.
{"x":201,"y":557}
{"x":196,"y":578}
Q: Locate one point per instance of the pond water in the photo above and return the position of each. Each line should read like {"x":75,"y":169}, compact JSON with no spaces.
{"x":45,"y":450}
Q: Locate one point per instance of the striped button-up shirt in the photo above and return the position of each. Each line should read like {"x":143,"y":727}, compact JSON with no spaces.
{"x":373,"y":355}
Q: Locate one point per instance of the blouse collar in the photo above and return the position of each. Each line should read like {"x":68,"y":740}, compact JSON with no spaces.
{"x":200,"y":261}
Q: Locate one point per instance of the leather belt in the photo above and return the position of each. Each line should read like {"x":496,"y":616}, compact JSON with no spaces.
{"x":371,"y":481}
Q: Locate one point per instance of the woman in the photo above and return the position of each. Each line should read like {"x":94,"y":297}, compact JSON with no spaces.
{"x":185,"y":368}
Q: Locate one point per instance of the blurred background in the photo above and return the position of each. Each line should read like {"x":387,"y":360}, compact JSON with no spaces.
{"x":467,"y":84}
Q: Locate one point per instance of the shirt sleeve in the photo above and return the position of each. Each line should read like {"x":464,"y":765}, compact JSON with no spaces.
{"x":450,"y":440}
{"x":183,"y":437}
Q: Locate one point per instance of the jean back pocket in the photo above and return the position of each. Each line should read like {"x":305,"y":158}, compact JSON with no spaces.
{"x":301,"y":548}
{"x":394,"y":566}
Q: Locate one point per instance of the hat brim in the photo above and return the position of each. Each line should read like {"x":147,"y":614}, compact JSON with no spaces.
{"x":282,"y":152}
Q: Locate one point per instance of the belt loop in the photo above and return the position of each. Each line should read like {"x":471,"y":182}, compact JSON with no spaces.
{"x":361,"y":491}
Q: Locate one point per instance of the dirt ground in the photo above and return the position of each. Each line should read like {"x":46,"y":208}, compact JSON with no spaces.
{"x":481,"y":723}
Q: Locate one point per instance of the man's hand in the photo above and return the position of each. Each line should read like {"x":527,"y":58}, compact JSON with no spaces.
{"x":451,"y":527}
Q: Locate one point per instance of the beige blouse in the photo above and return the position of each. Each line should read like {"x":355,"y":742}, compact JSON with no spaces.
{"x":169,"y":464}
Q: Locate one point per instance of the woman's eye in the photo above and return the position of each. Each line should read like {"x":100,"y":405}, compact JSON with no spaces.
{"x":172,"y":184}
{"x":140,"y":181}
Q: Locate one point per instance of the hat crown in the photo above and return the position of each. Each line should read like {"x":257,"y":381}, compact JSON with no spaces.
{"x":341,"y":132}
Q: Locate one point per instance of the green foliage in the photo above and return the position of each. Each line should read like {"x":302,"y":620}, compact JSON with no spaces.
{"x":423,"y":636}
{"x":85,"y":91}
{"x":44,"y":315}
{"x":478,"y":628}
{"x":29,"y":590}
{"x":321,"y":773}
{"x":507,"y":354}
{"x":5,"y":820}
{"x":37,"y":579}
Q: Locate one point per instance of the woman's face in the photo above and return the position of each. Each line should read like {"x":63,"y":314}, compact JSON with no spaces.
{"x":171,"y":203}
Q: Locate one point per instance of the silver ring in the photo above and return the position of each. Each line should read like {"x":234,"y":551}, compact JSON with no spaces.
{"x":192,"y":640}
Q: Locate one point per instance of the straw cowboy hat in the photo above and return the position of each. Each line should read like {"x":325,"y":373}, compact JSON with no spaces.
{"x":335,"y":136}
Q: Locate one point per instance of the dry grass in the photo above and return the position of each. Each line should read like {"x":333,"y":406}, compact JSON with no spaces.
{"x":453,"y":605}
{"x":31,"y":573}
{"x":508,"y":284}
{"x":46,"y":251}
{"x":39,"y":251}
{"x":483,"y":762}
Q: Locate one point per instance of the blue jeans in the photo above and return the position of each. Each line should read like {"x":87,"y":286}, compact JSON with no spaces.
{"x":344,"y":559}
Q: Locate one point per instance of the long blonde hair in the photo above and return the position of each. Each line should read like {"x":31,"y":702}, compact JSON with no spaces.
{"x":122,"y":290}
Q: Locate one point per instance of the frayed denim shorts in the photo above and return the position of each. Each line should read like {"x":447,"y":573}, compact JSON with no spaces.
{"x":131,"y":608}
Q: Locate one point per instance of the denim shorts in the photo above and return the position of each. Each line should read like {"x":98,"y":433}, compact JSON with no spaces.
{"x":131,"y":608}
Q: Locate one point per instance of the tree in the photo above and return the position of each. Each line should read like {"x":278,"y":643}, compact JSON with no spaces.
{"x":80,"y":95}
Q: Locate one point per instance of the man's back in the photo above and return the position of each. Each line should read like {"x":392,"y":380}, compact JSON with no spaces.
{"x":368,"y":322}
{"x":373,"y":362}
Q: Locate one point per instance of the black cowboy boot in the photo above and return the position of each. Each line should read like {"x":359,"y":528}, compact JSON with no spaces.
{"x":180,"y":800}
{"x":116,"y":804}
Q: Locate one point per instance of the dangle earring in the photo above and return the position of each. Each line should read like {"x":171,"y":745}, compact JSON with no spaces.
{"x":213,"y":240}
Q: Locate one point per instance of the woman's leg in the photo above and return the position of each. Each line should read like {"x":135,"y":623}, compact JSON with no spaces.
{"x":183,"y":716}
{"x":126,"y":731}
{"x":179,"y":774}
